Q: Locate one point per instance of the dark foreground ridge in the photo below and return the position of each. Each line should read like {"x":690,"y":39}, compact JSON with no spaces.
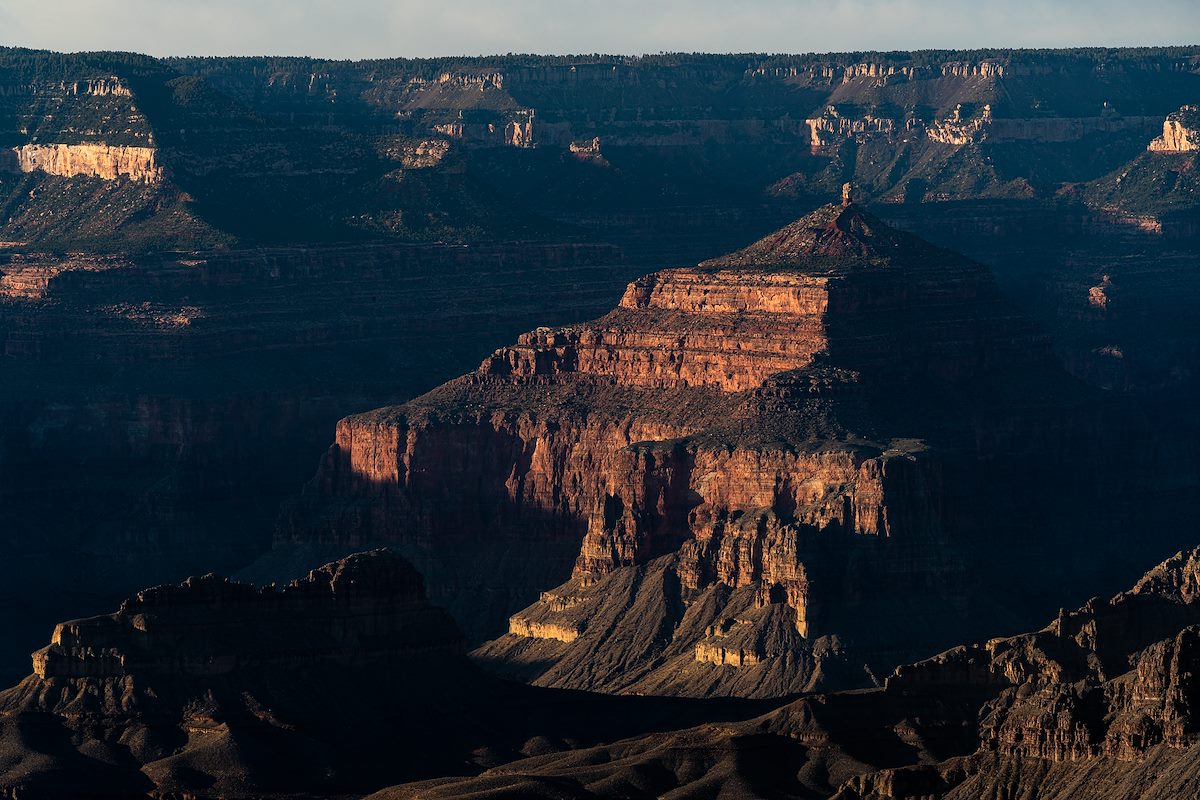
{"x":1103,"y":704}
{"x":341,"y":682}
{"x":1104,"y":697}
{"x":787,"y":469}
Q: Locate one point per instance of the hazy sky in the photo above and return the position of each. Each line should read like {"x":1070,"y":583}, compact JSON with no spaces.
{"x":381,"y":28}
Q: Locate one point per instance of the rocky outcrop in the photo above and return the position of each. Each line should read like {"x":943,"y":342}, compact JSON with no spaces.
{"x":957,"y":130}
{"x":103,"y":87}
{"x":87,"y":160}
{"x":745,"y":328}
{"x":961,"y":129}
{"x":588,"y":152}
{"x":966,"y":126}
{"x":517,"y":131}
{"x":183,"y":679}
{"x":1181,"y":132}
{"x":31,"y":277}
{"x":982,"y":69}
{"x":214,"y":688}
{"x":721,"y":418}
{"x":879,"y":71}
{"x":831,"y":128}
{"x":366,"y":607}
{"x":1101,"y":704}
{"x":1101,"y":689}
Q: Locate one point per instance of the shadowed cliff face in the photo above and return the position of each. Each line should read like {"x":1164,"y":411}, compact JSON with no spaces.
{"x":156,"y":411}
{"x":215,"y":688}
{"x":203,"y":152}
{"x":340,"y":682}
{"x":784,"y":467}
{"x":1099,"y":704}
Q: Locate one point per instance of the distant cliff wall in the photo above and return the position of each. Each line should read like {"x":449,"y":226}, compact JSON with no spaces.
{"x":1181,"y":132}
{"x":91,"y":160}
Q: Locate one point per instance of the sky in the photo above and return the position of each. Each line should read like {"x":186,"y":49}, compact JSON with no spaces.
{"x":418,"y":28}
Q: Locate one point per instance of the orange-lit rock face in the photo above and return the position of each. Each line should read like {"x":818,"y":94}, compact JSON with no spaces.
{"x":838,"y":282}
{"x":720,"y":416}
{"x":96,"y":160}
{"x":728,"y":330}
{"x":699,"y":497}
{"x":1181,"y":132}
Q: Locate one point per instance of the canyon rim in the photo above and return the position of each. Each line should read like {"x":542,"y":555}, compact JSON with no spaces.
{"x":689,"y":425}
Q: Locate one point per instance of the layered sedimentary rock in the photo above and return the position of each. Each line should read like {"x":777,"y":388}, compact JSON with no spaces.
{"x":158,"y":409}
{"x":338,"y":683}
{"x":87,"y":160}
{"x":1098,"y":705}
{"x":713,"y":453}
{"x":1181,"y":132}
{"x":366,"y":607}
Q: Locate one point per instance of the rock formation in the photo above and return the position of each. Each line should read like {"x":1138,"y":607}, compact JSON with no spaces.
{"x":715,"y":444}
{"x":1099,"y":705}
{"x":831,"y":128}
{"x":86,"y":160}
{"x":338,"y":683}
{"x":184,"y":678}
{"x":1181,"y":132}
{"x":959,"y":131}
{"x":364,"y":608}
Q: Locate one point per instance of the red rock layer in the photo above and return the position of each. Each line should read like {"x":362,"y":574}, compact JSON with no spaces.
{"x":839,"y":282}
{"x":720,"y":414}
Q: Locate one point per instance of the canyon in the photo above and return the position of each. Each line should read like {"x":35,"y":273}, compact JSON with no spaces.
{"x":726,"y":472}
{"x":888,"y":354}
{"x":218,"y":687}
{"x":1100,"y":701}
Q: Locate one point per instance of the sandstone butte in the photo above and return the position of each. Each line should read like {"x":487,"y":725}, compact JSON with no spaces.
{"x":772,"y":472}
{"x":1101,"y":703}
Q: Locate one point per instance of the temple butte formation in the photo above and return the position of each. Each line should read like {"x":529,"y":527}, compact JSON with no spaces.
{"x":830,"y":363}
{"x":750,"y":459}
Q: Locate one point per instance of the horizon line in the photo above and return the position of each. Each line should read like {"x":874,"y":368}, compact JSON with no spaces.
{"x":625,"y":56}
